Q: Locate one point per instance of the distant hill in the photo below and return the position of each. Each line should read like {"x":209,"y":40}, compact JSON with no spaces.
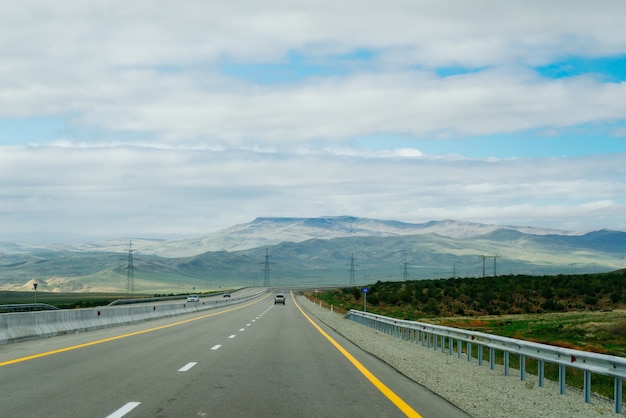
{"x":313,"y":251}
{"x":263,"y":232}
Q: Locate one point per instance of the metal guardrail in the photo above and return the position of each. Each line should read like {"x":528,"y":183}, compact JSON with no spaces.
{"x":435,"y":337}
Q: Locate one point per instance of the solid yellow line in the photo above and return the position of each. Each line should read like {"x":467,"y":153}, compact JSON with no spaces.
{"x":119,"y":337}
{"x":395,"y":399}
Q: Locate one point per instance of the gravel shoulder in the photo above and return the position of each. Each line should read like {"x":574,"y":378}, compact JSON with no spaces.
{"x":477,"y":390}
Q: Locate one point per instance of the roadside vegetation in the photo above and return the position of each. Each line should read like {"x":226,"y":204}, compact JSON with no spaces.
{"x":583,"y":312}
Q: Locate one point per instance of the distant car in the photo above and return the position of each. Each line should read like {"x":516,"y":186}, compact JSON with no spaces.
{"x":279,"y":299}
{"x":226,"y":295}
{"x":193,"y":298}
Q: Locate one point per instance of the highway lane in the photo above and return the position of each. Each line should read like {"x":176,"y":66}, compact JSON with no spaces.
{"x":254,"y":359}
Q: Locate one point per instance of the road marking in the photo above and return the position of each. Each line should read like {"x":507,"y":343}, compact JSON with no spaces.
{"x":124,"y":410}
{"x":395,"y":399}
{"x":242,"y":329}
{"x":119,"y":337}
{"x":187,"y":366}
{"x":216,"y":347}
{"x":248,"y":325}
{"x":232,"y":336}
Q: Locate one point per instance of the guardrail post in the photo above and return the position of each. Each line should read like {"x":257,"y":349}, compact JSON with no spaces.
{"x":480,"y":355}
{"x":540,"y":372}
{"x":587,"y":386}
{"x":469,"y":352}
{"x":450,"y":345}
{"x":435,"y":340}
{"x":561,"y":379}
{"x":617,"y":395}
{"x":492,"y":358}
{"x":459,"y":348}
{"x":522,"y":367}
{"x":506,"y":363}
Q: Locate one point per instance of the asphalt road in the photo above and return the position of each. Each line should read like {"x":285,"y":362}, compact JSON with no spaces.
{"x":255,"y":359}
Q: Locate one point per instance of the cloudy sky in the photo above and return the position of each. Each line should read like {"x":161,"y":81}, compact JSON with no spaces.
{"x":154,"y":118}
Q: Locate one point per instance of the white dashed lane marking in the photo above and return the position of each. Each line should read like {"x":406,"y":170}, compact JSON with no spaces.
{"x":187,"y":366}
{"x":124,"y":410}
{"x":216,"y":347}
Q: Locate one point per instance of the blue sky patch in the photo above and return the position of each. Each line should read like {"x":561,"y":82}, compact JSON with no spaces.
{"x":452,"y":71}
{"x":33,"y":130}
{"x":574,"y":142}
{"x":612,"y":69}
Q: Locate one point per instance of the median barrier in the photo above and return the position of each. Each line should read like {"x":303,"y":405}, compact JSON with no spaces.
{"x":20,"y":326}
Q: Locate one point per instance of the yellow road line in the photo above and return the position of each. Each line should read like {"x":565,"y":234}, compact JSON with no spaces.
{"x":395,"y":399}
{"x":119,"y":337}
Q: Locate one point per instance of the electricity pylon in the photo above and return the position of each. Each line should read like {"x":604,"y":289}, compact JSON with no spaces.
{"x":266,"y":279}
{"x":406,"y":271}
{"x":352,"y":270}
{"x":130,"y":271}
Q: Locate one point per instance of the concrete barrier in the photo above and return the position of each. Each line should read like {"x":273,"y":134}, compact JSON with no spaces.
{"x":20,"y":326}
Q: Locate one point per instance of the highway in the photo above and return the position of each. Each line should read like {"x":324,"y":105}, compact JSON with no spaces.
{"x":254,"y":359}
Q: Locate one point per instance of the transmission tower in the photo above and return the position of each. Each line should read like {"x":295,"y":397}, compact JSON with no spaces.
{"x":483,"y":257}
{"x":266,"y":279}
{"x":406,"y":270}
{"x":352,"y":270}
{"x":494,"y":257}
{"x":130,"y":271}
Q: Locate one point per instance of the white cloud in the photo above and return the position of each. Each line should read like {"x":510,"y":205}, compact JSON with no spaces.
{"x":133,"y":191}
{"x":153,"y":66}
{"x":158,"y":140}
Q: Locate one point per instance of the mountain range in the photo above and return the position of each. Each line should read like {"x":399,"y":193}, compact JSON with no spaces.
{"x":310,"y":251}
